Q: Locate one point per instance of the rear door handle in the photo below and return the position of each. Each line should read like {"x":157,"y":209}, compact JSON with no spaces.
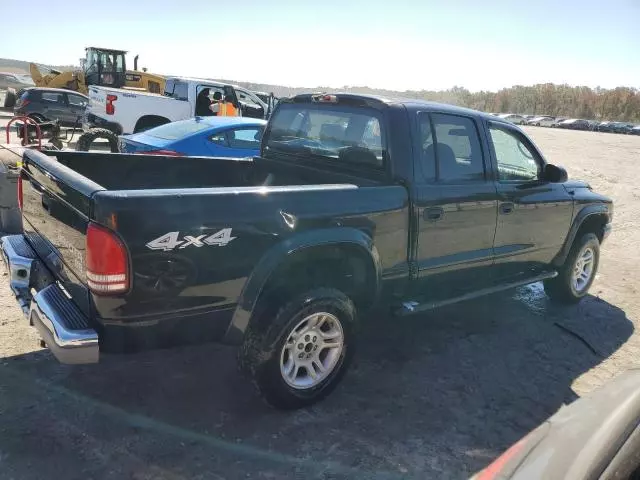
{"x":506,"y":208}
{"x":433,"y":214}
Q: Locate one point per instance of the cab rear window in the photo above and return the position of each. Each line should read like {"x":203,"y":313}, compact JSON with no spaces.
{"x":177,"y":130}
{"x":176,"y":89}
{"x":339,"y":133}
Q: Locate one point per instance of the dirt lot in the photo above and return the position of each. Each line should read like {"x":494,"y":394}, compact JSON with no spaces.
{"x":433,"y":396}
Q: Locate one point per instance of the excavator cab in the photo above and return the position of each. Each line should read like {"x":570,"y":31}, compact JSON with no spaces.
{"x":105,"y":67}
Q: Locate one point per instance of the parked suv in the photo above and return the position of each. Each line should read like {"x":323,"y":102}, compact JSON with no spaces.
{"x":45,"y":104}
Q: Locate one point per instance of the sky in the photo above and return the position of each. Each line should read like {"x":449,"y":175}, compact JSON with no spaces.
{"x":392,"y":44}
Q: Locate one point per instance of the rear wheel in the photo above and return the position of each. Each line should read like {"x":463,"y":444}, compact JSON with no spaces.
{"x":304,"y":352}
{"x":578,"y":272}
{"x":85,"y":141}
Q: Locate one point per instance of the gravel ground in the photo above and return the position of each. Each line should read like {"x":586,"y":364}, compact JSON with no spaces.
{"x":430,"y":396}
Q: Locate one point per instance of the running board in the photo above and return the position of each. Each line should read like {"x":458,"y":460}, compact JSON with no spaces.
{"x":410,"y":307}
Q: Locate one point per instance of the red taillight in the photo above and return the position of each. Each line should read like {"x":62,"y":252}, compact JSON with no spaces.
{"x":20,"y":192}
{"x":110,"y":107}
{"x":107,"y":261}
{"x":22,"y":103}
{"x":170,"y":153}
{"x":496,"y":468}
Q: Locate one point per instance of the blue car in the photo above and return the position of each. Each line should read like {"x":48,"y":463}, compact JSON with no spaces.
{"x":234,"y":137}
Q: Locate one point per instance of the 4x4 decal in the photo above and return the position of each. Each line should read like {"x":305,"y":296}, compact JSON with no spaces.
{"x":171,"y":240}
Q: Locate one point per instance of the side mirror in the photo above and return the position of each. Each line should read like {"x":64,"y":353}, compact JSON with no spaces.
{"x":554,"y":174}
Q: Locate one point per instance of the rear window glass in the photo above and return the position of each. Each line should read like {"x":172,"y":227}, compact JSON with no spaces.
{"x":176,"y":89}
{"x":339,"y":133}
{"x":176,"y":130}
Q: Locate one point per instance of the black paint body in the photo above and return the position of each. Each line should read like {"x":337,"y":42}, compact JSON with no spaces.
{"x":205,"y":293}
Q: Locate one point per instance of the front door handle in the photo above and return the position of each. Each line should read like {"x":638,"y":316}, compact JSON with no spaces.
{"x":433,"y":214}
{"x":506,"y":208}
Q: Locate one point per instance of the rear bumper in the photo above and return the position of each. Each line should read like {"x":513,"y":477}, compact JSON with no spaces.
{"x":61,"y":325}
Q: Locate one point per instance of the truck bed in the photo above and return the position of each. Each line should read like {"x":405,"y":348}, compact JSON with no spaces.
{"x":253,"y":207}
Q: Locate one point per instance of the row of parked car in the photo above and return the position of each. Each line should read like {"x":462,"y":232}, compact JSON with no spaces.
{"x":571,"y":123}
{"x":196,"y":136}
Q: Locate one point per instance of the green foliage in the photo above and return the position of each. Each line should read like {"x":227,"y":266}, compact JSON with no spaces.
{"x":621,"y":103}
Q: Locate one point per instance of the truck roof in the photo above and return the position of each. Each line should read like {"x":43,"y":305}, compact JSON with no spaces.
{"x":51,"y":89}
{"x":114,"y":50}
{"x":203,"y":80}
{"x":412,"y":103}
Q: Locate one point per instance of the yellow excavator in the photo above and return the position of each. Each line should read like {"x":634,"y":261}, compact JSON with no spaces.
{"x":101,"y":66}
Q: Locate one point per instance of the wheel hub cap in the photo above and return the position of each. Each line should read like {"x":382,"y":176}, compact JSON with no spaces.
{"x":583,"y":269}
{"x":312,"y":350}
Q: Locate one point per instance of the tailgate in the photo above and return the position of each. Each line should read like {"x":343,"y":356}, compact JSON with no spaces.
{"x":56,"y":212}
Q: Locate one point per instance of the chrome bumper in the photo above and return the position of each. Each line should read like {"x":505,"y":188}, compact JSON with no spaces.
{"x":61,"y":325}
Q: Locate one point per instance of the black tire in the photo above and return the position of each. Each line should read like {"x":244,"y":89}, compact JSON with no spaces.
{"x":10,"y":99}
{"x":259,"y":356}
{"x":87,"y":138}
{"x":561,"y":288}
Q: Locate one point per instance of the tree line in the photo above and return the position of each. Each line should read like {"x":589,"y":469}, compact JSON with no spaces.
{"x":620,"y":104}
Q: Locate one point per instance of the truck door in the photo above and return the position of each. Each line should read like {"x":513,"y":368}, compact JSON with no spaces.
{"x":534,"y":216}
{"x":456,"y":204}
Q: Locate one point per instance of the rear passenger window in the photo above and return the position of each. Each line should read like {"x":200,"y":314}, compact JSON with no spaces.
{"x":457,"y":149}
{"x":52,"y":97}
{"x":248,"y":138}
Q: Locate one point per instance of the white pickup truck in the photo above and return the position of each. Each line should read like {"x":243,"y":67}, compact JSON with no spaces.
{"x":126,"y":111}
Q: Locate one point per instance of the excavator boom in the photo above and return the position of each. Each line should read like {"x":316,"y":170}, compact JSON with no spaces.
{"x":55,"y":79}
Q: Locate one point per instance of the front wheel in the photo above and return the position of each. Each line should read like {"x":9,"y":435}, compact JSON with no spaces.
{"x":577,"y":273}
{"x":304,"y":352}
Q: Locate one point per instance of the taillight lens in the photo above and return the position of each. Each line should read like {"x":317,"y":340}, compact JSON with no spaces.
{"x":497,"y":467}
{"x":170,"y":153}
{"x":107,"y":261}
{"x":110,"y":107}
{"x":20,"y":192}
{"x":506,"y":464}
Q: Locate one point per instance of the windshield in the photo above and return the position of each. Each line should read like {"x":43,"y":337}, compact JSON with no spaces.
{"x":176,"y":130}
{"x":335,"y":132}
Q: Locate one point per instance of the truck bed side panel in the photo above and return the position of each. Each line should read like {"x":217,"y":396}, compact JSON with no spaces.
{"x":194,"y":249}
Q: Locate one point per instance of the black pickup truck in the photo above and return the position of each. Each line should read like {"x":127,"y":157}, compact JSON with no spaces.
{"x":354,"y":202}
